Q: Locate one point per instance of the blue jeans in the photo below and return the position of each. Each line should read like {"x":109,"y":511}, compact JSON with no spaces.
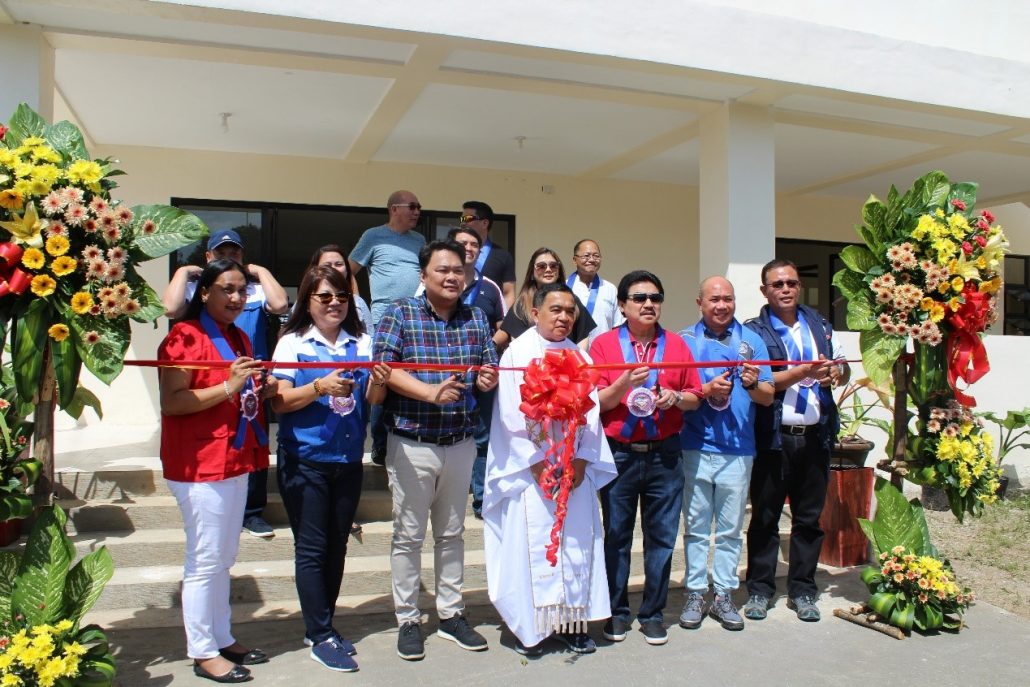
{"x":321,"y":500}
{"x":485,"y":403}
{"x":654,"y":480}
{"x":714,"y":489}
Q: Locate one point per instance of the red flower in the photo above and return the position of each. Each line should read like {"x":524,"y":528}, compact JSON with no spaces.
{"x":958,"y":204}
{"x":982,"y":224}
{"x":986,"y":214}
{"x":967,"y":248}
{"x":3,"y":131}
{"x":981,"y":240}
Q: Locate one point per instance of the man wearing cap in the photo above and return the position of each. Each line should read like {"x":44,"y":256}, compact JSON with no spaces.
{"x":493,"y":262}
{"x":265,"y":296}
{"x":794,"y":436}
{"x":719,"y":451}
{"x":599,"y":295}
{"x":390,"y":252}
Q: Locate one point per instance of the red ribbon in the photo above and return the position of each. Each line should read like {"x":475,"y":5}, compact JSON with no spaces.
{"x":556,"y":389}
{"x":967,"y":356}
{"x":13,"y":279}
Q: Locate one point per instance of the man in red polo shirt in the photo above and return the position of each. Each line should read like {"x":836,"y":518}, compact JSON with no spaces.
{"x":642,"y":413}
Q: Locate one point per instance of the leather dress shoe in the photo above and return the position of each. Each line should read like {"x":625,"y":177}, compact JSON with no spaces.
{"x":236,"y":674}
{"x":251,"y":658}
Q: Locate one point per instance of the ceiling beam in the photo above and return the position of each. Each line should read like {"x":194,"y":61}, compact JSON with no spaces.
{"x":857,"y":126}
{"x":418,"y":73}
{"x":648,"y":149}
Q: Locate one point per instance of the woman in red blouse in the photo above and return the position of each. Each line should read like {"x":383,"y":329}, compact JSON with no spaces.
{"x":212,"y":436}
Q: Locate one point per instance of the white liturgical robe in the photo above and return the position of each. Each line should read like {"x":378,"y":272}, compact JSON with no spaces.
{"x":534,"y":598}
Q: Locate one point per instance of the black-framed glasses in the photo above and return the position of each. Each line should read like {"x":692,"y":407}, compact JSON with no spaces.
{"x":644,"y":297}
{"x":325,"y":298}
{"x":414,"y":207}
{"x":465,"y":219}
{"x":546,"y":266}
{"x":780,"y":283}
{"x":588,"y":256}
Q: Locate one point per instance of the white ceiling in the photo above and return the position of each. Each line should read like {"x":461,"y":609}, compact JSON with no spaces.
{"x":151,"y":74}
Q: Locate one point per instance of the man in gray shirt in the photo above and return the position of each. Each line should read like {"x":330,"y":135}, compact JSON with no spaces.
{"x":390,"y":252}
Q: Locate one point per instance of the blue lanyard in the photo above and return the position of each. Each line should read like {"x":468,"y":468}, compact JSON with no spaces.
{"x":472,"y":293}
{"x":595,"y":286}
{"x":629,"y":355}
{"x":481,"y":260}
{"x":226,"y":353}
{"x":805,"y":394}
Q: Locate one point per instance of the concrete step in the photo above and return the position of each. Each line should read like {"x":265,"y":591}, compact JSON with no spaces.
{"x":134,"y":482}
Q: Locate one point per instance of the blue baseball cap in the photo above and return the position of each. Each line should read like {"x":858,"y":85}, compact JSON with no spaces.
{"x":224,"y":236}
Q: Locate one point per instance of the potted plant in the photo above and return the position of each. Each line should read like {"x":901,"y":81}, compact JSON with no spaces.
{"x":851,"y":449}
{"x":1013,"y":428}
{"x":18,"y":472}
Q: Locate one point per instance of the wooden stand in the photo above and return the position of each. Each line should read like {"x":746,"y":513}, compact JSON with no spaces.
{"x":849,"y":496}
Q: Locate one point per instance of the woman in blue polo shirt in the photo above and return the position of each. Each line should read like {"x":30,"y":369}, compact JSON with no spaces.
{"x":322,"y":417}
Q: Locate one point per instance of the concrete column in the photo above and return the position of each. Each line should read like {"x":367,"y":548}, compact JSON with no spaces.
{"x":738,"y":199}
{"x":27,"y":65}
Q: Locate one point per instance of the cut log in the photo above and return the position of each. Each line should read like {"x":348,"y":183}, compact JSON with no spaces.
{"x":858,"y":619}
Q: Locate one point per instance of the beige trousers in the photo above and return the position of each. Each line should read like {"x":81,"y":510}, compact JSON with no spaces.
{"x":429,"y":484}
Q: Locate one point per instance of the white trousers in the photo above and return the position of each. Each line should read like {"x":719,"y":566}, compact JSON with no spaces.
{"x":212,"y":514}
{"x":430,"y":484}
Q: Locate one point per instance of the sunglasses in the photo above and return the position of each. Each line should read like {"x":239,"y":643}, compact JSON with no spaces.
{"x":780,"y":283}
{"x":546,"y":266}
{"x":644,"y":297}
{"x":327,"y":298}
{"x":414,"y":207}
{"x":465,"y":219}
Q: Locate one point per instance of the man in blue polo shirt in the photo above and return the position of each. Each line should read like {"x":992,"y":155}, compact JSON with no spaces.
{"x":719,"y":450}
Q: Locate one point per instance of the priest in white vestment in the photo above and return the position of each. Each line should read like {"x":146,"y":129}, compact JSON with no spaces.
{"x":535,"y":599}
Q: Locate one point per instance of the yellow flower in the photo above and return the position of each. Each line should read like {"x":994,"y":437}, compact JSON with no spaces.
{"x":926,"y":303}
{"x":33,"y":258}
{"x":81,"y":303}
{"x":957,"y":283}
{"x":955,"y":303}
{"x":84,"y":172}
{"x":7,"y":157}
{"x":11,"y":680}
{"x":75,"y":649}
{"x":936,"y":312}
{"x":27,"y":227}
{"x":43,"y":285}
{"x":58,"y":332}
{"x":64,"y":625}
{"x":33,"y":142}
{"x":939,"y":213}
{"x":46,"y":154}
{"x":57,"y":245}
{"x":11,"y":199}
{"x":926,"y":226}
{"x":64,"y":265}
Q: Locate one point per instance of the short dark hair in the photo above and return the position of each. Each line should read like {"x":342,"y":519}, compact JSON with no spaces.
{"x":316,"y":257}
{"x":452,"y":235}
{"x":541,"y":293}
{"x":426,"y":254}
{"x":634,"y":277}
{"x":775,"y":264}
{"x":212,"y":271}
{"x":581,"y":242}
{"x":483,"y":211}
{"x":300,"y":318}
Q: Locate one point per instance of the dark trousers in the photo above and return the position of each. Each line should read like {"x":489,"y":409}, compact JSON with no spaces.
{"x":321,"y":500}
{"x":377,"y":427}
{"x":257,"y":494}
{"x":654,"y":480}
{"x":801,"y":470}
{"x":485,"y":403}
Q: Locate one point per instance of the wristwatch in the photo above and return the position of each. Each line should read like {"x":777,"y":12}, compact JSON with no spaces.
{"x":751,"y":386}
{"x":679,"y":398}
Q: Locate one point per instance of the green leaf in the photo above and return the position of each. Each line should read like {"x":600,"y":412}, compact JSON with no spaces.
{"x":895,"y":523}
{"x":104,"y":358}
{"x":30,"y":469}
{"x":39,"y":584}
{"x":850,"y":283}
{"x":151,"y":307}
{"x":67,"y":366}
{"x":935,"y":189}
{"x":882,"y":603}
{"x":919,"y":516}
{"x":867,"y":530}
{"x":8,"y":567}
{"x":65,"y":138}
{"x":858,"y":258}
{"x":870,"y":575}
{"x":30,"y":340}
{"x":16,"y":505}
{"x":85,"y":583}
{"x":932,"y":619}
{"x":83,"y":398}
{"x":879,"y":353}
{"x":173,"y":229}
{"x":24,"y":123}
{"x":966,"y":192}
{"x":902,"y":617}
{"x":860,"y":314}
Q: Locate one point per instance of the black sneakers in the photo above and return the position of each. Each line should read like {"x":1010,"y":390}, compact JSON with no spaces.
{"x":458,"y":630}
{"x":410,"y":645}
{"x":654,"y":632}
{"x":615,"y":629}
{"x":578,"y":642}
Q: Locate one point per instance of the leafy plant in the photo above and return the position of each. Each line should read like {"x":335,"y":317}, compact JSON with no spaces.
{"x":855,"y":415}
{"x":1012,"y":429}
{"x":41,"y":592}
{"x":18,"y":472}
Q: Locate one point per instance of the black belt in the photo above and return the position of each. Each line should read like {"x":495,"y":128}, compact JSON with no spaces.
{"x":446,"y":440}
{"x":638,"y":446}
{"x":798,"y":430}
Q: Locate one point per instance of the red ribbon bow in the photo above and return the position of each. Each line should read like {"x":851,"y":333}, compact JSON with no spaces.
{"x":13,"y":279}
{"x":967,"y":356}
{"x":557,"y":389}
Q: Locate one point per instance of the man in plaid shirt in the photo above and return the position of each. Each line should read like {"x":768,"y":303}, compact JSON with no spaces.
{"x":430,"y":449}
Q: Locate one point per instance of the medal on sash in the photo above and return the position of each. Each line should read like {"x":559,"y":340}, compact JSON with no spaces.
{"x":744,"y":352}
{"x":642,"y":402}
{"x":343,"y":405}
{"x":250,"y":404}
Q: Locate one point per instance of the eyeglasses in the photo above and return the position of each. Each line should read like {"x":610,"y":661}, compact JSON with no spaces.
{"x":465,"y":219}
{"x":780,"y":283}
{"x":414,"y":207}
{"x":588,"y":256}
{"x":644,"y":297}
{"x":546,"y":266}
{"x":327,"y":298}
